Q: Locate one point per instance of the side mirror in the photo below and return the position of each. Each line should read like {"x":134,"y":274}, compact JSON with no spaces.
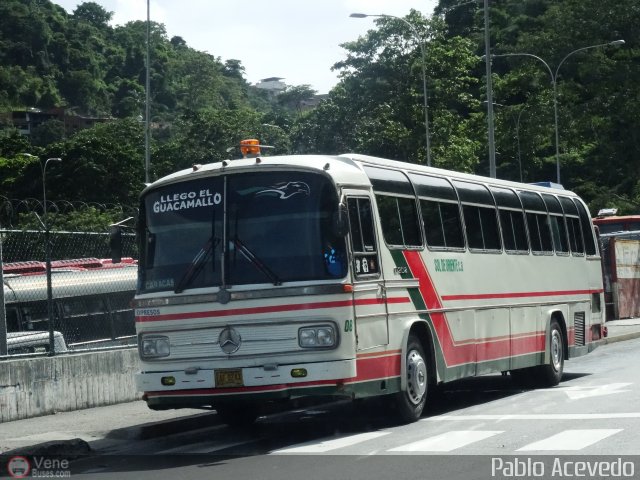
{"x":340,"y":223}
{"x":115,"y":244}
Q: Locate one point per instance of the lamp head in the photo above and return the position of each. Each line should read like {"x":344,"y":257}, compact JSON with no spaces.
{"x":358,"y":15}
{"x":617,"y":42}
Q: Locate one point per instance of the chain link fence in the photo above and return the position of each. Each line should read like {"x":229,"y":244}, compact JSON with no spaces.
{"x":90,"y":298}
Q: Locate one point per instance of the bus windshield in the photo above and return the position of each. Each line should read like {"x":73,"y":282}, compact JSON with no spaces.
{"x":249,"y":228}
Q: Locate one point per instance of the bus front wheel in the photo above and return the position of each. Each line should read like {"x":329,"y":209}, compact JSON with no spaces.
{"x":410,"y":402}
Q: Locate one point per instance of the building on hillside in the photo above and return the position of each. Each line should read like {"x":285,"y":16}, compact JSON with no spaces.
{"x":313,"y":102}
{"x":26,"y":121}
{"x":273,"y":85}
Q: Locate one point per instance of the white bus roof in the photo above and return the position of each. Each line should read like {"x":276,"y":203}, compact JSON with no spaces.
{"x":70,"y":283}
{"x":345,"y":169}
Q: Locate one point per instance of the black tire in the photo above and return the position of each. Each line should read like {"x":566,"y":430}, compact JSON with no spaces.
{"x":550,"y":374}
{"x":410,"y":403}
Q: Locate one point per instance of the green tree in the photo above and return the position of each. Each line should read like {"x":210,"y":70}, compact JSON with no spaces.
{"x":103,"y":164}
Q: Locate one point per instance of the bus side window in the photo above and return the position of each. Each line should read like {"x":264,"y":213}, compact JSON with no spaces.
{"x":440,"y":212}
{"x":363,"y":243}
{"x":558,"y":226}
{"x":399,"y":219}
{"x":585,"y":222}
{"x":13,"y":324}
{"x":442,"y":224}
{"x":480,"y":216}
{"x":576,"y":239}
{"x":512,"y":221}
{"x":537,"y":223}
{"x":122,"y":313}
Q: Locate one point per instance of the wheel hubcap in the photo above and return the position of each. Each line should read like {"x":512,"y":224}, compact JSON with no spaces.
{"x":556,"y":350}
{"x":416,"y":377}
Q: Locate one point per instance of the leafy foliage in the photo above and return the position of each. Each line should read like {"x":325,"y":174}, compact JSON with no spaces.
{"x":201,"y":105}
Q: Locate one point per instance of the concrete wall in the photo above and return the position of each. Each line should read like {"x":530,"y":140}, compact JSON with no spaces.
{"x":31,"y":387}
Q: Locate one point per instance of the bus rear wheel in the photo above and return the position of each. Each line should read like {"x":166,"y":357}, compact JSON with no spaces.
{"x":550,"y":374}
{"x":410,"y":402}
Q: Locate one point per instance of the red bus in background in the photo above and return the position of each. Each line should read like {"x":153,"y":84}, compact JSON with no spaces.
{"x":608,"y":222}
{"x":619,"y":238}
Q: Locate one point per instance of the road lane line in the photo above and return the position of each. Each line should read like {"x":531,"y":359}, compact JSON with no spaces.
{"x":534,"y":416}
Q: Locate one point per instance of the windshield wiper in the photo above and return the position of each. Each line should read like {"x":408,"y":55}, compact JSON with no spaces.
{"x":249,"y":255}
{"x":196,"y":264}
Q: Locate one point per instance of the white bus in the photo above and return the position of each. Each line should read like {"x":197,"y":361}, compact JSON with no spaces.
{"x":91,"y":300}
{"x":273,"y":278}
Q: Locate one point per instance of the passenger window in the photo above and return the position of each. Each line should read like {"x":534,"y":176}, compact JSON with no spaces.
{"x":558,"y":226}
{"x":442,"y":224}
{"x":12,"y":320}
{"x":363,"y":244}
{"x":481,"y":227}
{"x":514,"y":232}
{"x":576,"y":239}
{"x":480,"y":216}
{"x":538,"y":223}
{"x":587,"y":229}
{"x":440,"y":211}
{"x":399,"y":220}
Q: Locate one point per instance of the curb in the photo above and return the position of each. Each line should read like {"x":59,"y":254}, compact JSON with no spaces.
{"x":166,"y":427}
{"x":73,"y":448}
{"x":620,"y":338}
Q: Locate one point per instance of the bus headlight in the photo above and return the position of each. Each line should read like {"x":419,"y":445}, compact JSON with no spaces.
{"x":154,"y":347}
{"x":323,"y":336}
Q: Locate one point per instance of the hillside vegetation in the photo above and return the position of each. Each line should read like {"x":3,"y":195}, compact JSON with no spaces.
{"x":201,"y":104}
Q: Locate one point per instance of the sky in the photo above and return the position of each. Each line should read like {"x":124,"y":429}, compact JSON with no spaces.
{"x":298,"y":40}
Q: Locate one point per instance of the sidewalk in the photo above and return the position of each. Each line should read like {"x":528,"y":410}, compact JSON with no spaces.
{"x":97,"y":429}
{"x":621,"y":330}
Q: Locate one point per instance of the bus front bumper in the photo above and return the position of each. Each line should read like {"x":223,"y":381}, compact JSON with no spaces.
{"x":277,"y":381}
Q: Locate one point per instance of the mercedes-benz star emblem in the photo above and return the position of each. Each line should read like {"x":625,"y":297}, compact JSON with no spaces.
{"x":229,"y":340}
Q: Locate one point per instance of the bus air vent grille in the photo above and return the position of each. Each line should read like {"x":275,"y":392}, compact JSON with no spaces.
{"x":578,"y":323}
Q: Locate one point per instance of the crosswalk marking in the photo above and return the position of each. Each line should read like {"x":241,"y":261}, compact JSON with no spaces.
{"x":334,"y":444}
{"x":447,"y":442}
{"x":571,"y":440}
{"x":534,"y":416}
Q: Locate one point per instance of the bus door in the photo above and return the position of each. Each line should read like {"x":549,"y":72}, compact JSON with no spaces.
{"x":369,"y":293}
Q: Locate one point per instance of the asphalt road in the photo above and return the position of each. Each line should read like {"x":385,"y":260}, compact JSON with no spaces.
{"x":475,"y":428}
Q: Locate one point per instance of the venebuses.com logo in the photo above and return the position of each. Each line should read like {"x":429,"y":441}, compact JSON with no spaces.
{"x":38,"y":467}
{"x":18,"y":467}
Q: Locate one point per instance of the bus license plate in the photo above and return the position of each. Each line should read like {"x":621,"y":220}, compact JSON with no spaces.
{"x":229,"y":378}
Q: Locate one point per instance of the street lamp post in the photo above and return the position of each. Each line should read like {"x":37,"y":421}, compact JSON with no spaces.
{"x":47,"y":253}
{"x":424,"y":73}
{"x":47,"y":247}
{"x":490,"y":121}
{"x":518,"y":139}
{"x":554,"y":83}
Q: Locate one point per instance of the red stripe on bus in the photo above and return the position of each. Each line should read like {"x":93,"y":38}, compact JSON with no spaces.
{"x":469,"y":351}
{"x":367,"y":368}
{"x":484,"y":296}
{"x":269,"y":309}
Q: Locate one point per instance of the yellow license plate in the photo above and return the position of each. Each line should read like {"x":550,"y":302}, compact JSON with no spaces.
{"x":229,"y":378}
